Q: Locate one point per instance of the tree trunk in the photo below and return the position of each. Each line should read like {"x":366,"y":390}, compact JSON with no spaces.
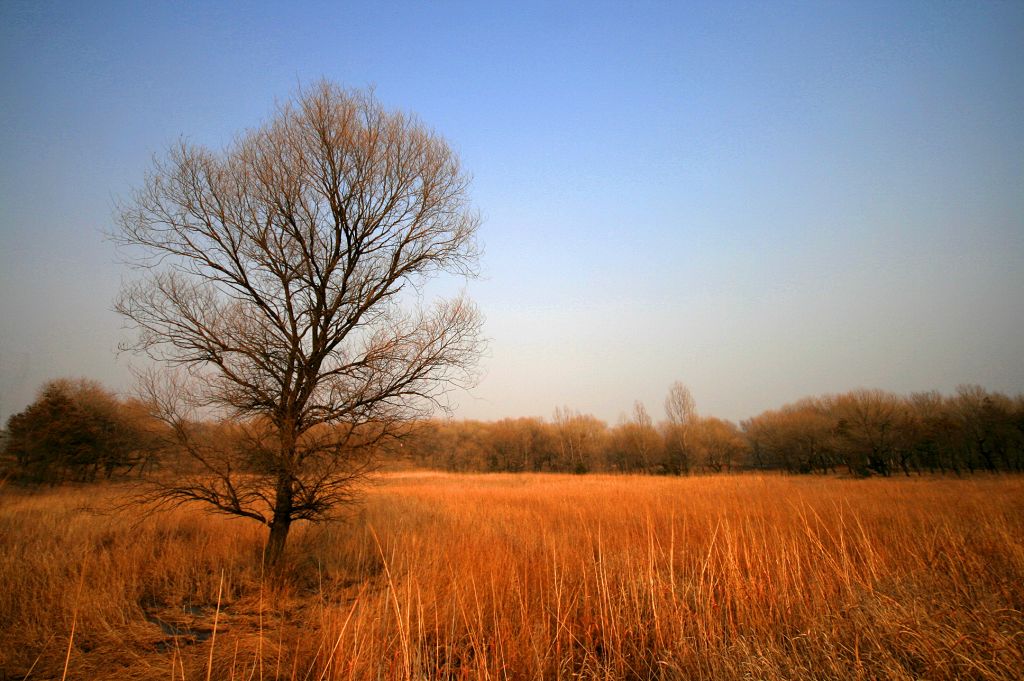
{"x":281,"y":522}
{"x":276,"y":541}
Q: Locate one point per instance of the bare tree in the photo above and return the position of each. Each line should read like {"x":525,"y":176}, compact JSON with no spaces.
{"x":868,"y":430}
{"x":719,"y":444}
{"x":577,"y":437}
{"x":635,"y":443}
{"x":281,"y":278}
{"x":681,"y":411}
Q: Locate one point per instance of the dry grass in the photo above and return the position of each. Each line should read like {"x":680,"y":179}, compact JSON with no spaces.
{"x":524,"y":576}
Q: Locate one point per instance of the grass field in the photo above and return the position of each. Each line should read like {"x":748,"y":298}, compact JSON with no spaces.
{"x":532,"y":577}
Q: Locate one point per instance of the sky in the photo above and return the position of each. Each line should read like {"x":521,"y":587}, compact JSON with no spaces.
{"x":764,"y":201}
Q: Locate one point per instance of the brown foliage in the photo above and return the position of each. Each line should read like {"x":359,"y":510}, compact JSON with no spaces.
{"x":78,"y":431}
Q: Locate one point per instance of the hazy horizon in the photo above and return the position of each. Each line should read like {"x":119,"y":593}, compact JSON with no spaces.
{"x":764,"y":202}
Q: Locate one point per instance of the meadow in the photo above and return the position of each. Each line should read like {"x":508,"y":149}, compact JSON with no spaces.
{"x":530,"y":576}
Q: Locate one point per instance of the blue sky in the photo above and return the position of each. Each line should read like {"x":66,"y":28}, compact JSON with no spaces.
{"x":763,"y":200}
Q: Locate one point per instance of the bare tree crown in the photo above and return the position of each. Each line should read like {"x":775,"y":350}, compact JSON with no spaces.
{"x":278,"y":261}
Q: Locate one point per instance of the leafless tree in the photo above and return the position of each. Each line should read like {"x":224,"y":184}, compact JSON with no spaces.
{"x":577,"y":439}
{"x":637,"y":444}
{"x":681,"y":411}
{"x":281,"y":281}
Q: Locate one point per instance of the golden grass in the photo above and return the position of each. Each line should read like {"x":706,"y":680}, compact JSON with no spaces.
{"x":533,"y":576}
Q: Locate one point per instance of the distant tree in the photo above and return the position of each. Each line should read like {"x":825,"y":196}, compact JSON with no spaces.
{"x":681,"y":415}
{"x":510,"y":446}
{"x":635,"y":445}
{"x":869,"y":430}
{"x":720,"y":444}
{"x":473,"y":446}
{"x":74,"y":431}
{"x":433,"y":444}
{"x":990,"y":433}
{"x":797,"y":438}
{"x":278,"y":276}
{"x":932,"y":434}
{"x":578,"y":438}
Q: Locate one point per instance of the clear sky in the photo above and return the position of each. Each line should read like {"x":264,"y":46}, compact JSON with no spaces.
{"x":763,"y":200}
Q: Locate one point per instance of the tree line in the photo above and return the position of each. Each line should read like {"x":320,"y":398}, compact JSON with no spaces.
{"x":861,"y":433}
{"x":868,"y":432}
{"x":78,"y":431}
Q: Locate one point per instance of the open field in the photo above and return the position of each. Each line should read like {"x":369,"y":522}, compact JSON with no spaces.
{"x":532,"y":576}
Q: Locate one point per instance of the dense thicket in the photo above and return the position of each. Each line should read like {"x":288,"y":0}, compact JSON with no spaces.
{"x":75,"y":431}
{"x":864,"y":432}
